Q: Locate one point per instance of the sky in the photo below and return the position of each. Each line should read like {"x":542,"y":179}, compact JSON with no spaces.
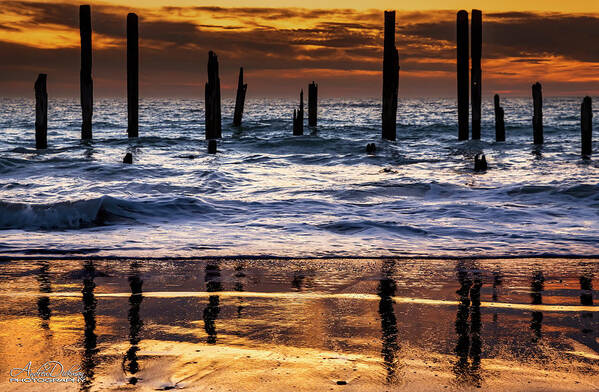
{"x":284,"y":45}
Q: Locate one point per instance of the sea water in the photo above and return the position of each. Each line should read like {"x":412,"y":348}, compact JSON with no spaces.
{"x":267,"y":192}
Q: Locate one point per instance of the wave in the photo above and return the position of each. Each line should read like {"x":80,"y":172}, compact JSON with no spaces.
{"x":101,"y":211}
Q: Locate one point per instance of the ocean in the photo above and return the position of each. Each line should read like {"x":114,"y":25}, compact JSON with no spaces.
{"x":267,"y":192}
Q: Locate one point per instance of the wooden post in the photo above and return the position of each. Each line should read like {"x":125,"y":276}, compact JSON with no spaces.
{"x":390,"y":78}
{"x":212,"y":95}
{"x":537,"y":118}
{"x":312,"y":104}
{"x":476,"y":48}
{"x":298,"y":117}
{"x":85,"y":77}
{"x":240,"y":101}
{"x":499,"y":121}
{"x":462,"y":71}
{"x":41,"y":112}
{"x":132,"y":75}
{"x":586,"y":126}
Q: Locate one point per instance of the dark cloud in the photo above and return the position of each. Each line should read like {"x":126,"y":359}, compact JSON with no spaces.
{"x":173,"y":52}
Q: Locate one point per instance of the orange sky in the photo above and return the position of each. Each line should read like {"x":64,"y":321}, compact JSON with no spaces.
{"x":282,"y":48}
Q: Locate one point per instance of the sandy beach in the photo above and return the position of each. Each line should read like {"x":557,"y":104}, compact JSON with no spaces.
{"x":301,"y":324}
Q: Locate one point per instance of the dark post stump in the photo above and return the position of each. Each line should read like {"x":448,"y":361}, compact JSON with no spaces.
{"x":476,"y":48}
{"x":499,"y":121}
{"x":212,"y":146}
{"x":586,"y":126}
{"x":537,"y":118}
{"x":213,"y":118}
{"x":390,"y":78}
{"x":298,"y":117}
{"x":128,"y":158}
{"x":312,"y":104}
{"x":132,"y":75}
{"x":240,"y":100}
{"x":85,"y":77}
{"x":480,"y":163}
{"x":462,"y":71}
{"x":41,"y":112}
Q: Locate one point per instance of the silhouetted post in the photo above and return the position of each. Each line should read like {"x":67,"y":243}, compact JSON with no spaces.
{"x":586,"y":126}
{"x":499,"y":121}
{"x":213,"y":119}
{"x":462,"y":68}
{"x":41,"y":112}
{"x":476,"y":48}
{"x":240,"y":101}
{"x":537,"y":118}
{"x":312,"y":104}
{"x":128,"y":158}
{"x":298,"y":117}
{"x":390,"y":78}
{"x":85,"y":77}
{"x":212,"y":146}
{"x":132,"y":76}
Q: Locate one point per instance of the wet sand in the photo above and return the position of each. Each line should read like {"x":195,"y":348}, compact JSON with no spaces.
{"x":303,"y":325}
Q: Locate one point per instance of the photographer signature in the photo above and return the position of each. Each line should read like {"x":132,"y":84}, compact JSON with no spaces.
{"x":50,"y":371}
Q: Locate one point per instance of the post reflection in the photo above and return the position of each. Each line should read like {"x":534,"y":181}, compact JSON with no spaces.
{"x":536,"y":293}
{"x":238,"y":286}
{"x":89,"y":318}
{"x":212,"y":310}
{"x":131,"y":360}
{"x":43,"y":301}
{"x":386,"y":290}
{"x":468,"y":348}
{"x":586,"y":318}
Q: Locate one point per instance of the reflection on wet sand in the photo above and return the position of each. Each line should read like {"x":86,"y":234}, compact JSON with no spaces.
{"x":386,"y":290}
{"x":306,"y":325}
{"x":43,"y":301}
{"x":130,"y":361}
{"x":467,"y":368}
{"x":238,"y":286}
{"x":212,"y":310}
{"x":88,"y":362}
{"x":536,"y":293}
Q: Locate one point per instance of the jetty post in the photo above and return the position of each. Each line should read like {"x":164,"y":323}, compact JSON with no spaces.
{"x":85,"y":77}
{"x":390,"y":78}
{"x":476,"y":72}
{"x":41,"y":112}
{"x":298,"y":117}
{"x":499,"y":121}
{"x":462,"y":74}
{"x":132,"y":75}
{"x":212,"y":103}
{"x":586,"y":126}
{"x":240,"y":100}
{"x":312,"y":104}
{"x":537,"y":118}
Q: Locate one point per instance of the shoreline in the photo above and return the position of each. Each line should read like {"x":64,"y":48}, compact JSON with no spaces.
{"x":67,"y":256}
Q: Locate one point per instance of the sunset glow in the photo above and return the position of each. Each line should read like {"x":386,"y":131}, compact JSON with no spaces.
{"x":280,"y":44}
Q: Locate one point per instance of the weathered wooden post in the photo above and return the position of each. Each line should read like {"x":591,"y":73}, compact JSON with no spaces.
{"x":85,"y":77}
{"x":41,"y":112}
{"x":312,"y":104}
{"x":240,"y":100}
{"x":537,"y":118}
{"x":499,"y":121}
{"x":390,"y":78}
{"x":213,"y":119}
{"x":586,"y":126}
{"x":132,"y":75}
{"x":476,"y":49}
{"x":212,"y":146}
{"x":462,"y":71}
{"x":298,"y":117}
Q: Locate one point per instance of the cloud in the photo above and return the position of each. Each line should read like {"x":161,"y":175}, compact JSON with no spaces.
{"x":282,"y":42}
